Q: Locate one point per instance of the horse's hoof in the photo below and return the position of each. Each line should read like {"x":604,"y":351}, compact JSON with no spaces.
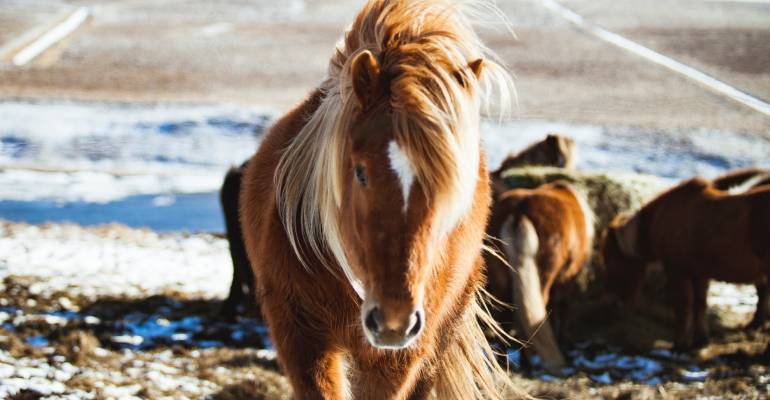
{"x":229,"y":311}
{"x":701,"y":341}
{"x":682,"y":346}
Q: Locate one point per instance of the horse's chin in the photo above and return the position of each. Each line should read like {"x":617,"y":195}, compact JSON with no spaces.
{"x":393,"y":345}
{"x":387,"y":341}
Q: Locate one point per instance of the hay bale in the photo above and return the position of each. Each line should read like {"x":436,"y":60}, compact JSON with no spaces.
{"x":608,"y":193}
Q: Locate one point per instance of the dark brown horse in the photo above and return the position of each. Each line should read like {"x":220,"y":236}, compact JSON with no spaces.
{"x":364,"y":209}
{"x":241,"y":295}
{"x":698,"y":232}
{"x":546,"y":235}
{"x":554,"y":151}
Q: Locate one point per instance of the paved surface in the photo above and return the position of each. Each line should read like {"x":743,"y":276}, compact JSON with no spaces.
{"x":270,"y":53}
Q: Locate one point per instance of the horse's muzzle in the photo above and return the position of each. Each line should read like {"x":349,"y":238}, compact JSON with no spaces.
{"x":392,"y":330}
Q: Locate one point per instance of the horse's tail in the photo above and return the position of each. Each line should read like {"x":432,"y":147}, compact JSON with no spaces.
{"x":469,"y":368}
{"x":521,"y":246}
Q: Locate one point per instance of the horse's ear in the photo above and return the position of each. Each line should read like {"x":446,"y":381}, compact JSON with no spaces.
{"x":366,"y":78}
{"x":475,"y":67}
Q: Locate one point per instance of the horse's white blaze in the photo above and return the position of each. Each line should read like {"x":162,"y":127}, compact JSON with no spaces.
{"x":401,"y":165}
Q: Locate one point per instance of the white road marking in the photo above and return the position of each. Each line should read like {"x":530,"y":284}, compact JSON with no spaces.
{"x":53,"y":36}
{"x":216,"y":29}
{"x":660,"y":59}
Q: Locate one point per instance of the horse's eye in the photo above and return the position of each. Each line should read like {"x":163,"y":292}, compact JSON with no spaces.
{"x":361,"y":175}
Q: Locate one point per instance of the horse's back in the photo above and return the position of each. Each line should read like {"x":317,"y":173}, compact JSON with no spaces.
{"x":561,"y":224}
{"x":555,"y":151}
{"x":700,"y":228}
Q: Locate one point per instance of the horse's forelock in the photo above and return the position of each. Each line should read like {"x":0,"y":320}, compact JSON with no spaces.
{"x":424,"y":50}
{"x":421,"y":47}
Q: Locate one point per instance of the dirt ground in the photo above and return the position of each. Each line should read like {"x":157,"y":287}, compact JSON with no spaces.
{"x":66,"y":337}
{"x":81,"y":344}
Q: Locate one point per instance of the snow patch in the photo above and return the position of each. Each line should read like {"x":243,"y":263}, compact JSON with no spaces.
{"x":111,"y":261}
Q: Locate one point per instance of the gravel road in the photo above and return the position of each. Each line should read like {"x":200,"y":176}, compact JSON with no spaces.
{"x":270,"y":53}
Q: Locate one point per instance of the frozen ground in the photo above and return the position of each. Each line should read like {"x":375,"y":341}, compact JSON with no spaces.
{"x":132,"y":298}
{"x":114,"y":312}
{"x":158,"y":166}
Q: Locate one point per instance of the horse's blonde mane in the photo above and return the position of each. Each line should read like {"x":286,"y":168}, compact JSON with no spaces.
{"x":424,"y":49}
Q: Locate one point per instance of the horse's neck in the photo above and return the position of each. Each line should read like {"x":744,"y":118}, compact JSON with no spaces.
{"x":287,"y":128}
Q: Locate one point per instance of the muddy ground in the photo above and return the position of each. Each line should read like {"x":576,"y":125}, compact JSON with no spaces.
{"x":69,"y":338}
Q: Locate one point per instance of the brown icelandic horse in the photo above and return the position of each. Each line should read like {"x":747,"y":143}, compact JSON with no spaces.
{"x":546,"y":235}
{"x":364,"y":209}
{"x":554,"y":151}
{"x":698,"y":232}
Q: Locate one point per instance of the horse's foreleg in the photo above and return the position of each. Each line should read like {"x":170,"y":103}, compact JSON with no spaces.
{"x":242,"y":288}
{"x":314,"y":373}
{"x":393,"y":378}
{"x":315,"y":369}
{"x":700,"y":291}
{"x":681,"y":288}
{"x":423,"y":387}
{"x":763,"y":305}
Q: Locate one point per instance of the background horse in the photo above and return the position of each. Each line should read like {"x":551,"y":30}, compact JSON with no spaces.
{"x":554,"y":151}
{"x":546,"y":235}
{"x":699,"y":233}
{"x":364,"y":209}
{"x":241,"y":293}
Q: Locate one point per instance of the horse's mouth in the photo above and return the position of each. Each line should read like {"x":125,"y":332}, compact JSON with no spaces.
{"x":387,"y":336}
{"x":391,"y":341}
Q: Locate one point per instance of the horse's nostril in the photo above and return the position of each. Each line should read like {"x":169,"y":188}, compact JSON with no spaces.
{"x":415,"y":329}
{"x":371,"y":321}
